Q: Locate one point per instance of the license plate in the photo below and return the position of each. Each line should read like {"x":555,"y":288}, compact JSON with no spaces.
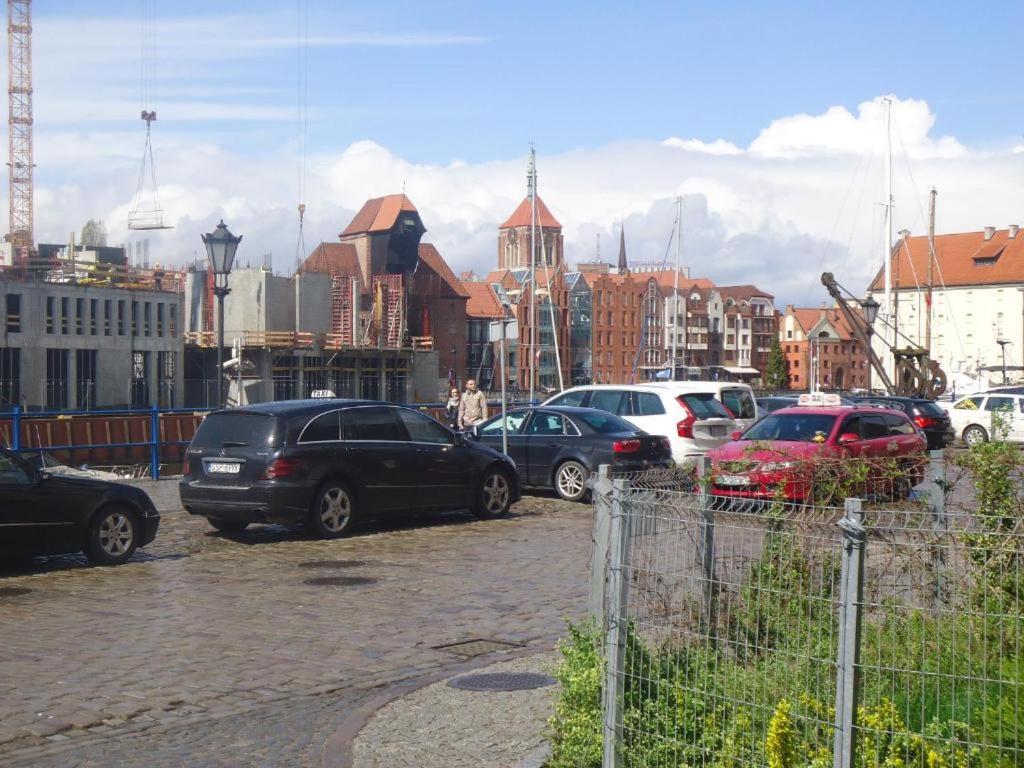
{"x":718,"y":431}
{"x":223,"y":468}
{"x":733,"y":480}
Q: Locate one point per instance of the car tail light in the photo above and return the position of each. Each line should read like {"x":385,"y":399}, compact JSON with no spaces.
{"x":685,"y":427}
{"x":925,"y":421}
{"x":626,"y":446}
{"x":281,"y":467}
{"x":186,"y":469}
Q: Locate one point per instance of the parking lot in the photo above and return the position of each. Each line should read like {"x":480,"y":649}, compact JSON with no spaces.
{"x":256,"y":649}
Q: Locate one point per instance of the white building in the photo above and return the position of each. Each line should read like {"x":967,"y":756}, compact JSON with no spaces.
{"x":977,"y":299}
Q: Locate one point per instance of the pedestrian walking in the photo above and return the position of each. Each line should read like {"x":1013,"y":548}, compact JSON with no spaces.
{"x":451,"y":408}
{"x":473,"y":407}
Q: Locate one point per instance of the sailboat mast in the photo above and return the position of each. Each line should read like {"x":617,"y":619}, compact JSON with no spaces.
{"x":931,"y":266}
{"x":675,"y":284}
{"x":889,"y":328}
{"x":531,"y":181}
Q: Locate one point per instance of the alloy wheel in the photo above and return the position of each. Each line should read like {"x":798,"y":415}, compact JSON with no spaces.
{"x":335,"y":509}
{"x":116,"y":534}
{"x":496,"y":493}
{"x":571,"y":480}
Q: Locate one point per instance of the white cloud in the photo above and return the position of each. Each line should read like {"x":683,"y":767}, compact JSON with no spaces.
{"x":716,"y":147}
{"x":776,"y":214}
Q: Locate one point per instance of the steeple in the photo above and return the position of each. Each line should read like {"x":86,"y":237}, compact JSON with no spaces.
{"x":623,"y":267}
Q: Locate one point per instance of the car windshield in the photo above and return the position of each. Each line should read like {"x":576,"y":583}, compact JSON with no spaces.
{"x":793,"y":427}
{"x":248,"y":429}
{"x":605,"y":423}
{"x":703,"y":405}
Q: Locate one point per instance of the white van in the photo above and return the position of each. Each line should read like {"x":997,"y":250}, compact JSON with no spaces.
{"x":693,"y":418}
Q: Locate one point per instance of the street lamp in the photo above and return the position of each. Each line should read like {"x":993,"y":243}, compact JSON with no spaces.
{"x":870,"y":307}
{"x":220,"y":250}
{"x":1002,"y":345}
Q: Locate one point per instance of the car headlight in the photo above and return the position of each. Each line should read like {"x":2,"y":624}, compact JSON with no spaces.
{"x":775,"y":466}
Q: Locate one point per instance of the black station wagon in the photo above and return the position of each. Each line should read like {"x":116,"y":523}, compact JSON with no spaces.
{"x":326,"y":463}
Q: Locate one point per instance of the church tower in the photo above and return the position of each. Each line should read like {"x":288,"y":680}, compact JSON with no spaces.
{"x":514,"y":236}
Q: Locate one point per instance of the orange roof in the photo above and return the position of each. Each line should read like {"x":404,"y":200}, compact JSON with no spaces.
{"x":483,"y":301}
{"x":332,"y":258}
{"x":378,"y":215}
{"x":666,"y":279}
{"x":523,"y":216}
{"x":739,"y":292}
{"x":428,"y":255}
{"x":808,"y":317}
{"x":964,"y":258}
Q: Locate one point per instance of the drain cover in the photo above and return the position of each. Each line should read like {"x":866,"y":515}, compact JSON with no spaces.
{"x":14,"y":591}
{"x":479,"y":647}
{"x":501,"y":681}
{"x":340,"y":581}
{"x":332,"y":564}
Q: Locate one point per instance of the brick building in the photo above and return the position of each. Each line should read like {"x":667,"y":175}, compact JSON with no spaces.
{"x":482,"y":308}
{"x":821,"y":351}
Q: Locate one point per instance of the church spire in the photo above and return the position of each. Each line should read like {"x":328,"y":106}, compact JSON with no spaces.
{"x":623,"y":267}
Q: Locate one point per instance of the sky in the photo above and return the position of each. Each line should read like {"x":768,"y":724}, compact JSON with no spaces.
{"x":766,"y":118}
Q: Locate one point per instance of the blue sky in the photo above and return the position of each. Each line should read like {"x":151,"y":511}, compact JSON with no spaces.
{"x":446,"y":96}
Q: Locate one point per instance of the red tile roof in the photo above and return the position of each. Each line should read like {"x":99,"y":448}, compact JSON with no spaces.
{"x":483,"y":301}
{"x":964,"y":258}
{"x":378,"y":215}
{"x":432,"y":259}
{"x":666,"y":279}
{"x":332,"y":258}
{"x":808,"y":317}
{"x":523,"y":217}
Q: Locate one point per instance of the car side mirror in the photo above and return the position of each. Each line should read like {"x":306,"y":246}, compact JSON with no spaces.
{"x":848,"y":437}
{"x":736,"y":435}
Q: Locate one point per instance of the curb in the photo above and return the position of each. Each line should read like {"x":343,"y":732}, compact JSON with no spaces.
{"x":337,"y":750}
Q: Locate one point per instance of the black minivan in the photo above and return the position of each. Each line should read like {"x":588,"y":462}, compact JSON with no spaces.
{"x":326,"y":463}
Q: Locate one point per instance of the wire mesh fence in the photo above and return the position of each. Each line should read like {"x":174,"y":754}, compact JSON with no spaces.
{"x":753,"y":631}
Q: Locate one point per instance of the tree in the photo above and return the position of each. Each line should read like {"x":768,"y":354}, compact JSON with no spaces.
{"x":94,"y":233}
{"x":776,"y":374}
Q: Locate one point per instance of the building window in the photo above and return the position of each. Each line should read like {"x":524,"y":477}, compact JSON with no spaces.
{"x":57,"y":378}
{"x":85,"y":378}
{"x":120,"y":317}
{"x":50,"y":311}
{"x":160,"y":319}
{"x":108,"y":310}
{"x":79,"y":317}
{"x":140,"y":378}
{"x":13,"y":312}
{"x":10,"y":377}
{"x":147,"y":319}
{"x":165,"y":371}
{"x":94,"y":310}
{"x":135,"y":318}
{"x":65,"y":310}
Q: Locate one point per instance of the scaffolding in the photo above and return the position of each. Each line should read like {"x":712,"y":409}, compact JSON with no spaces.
{"x":343,"y":290}
{"x":386,"y":327}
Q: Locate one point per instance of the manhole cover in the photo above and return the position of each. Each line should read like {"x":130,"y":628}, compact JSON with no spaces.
{"x":332,"y":564}
{"x":340,"y":581}
{"x":470,"y":648}
{"x":501,"y":681}
{"x":14,"y":591}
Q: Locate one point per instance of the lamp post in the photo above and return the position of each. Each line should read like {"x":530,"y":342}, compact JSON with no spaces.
{"x":220,"y":250}
{"x":1002,"y":345}
{"x":870,"y":307}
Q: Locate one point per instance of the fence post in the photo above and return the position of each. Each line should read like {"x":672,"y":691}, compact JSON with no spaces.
{"x":154,"y":443}
{"x":940,"y":524}
{"x":707,"y":544}
{"x":851,"y":589}
{"x":602,"y":495}
{"x":615,"y":625}
{"x":16,"y":429}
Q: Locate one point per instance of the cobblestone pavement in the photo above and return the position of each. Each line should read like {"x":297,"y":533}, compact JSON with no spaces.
{"x":209,"y":650}
{"x":442,"y":727}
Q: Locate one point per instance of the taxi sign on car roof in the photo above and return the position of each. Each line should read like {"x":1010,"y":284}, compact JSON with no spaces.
{"x":325,"y":394}
{"x":819,"y":400}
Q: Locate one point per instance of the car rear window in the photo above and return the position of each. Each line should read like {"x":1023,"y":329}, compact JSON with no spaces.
{"x":794,"y":427}
{"x":251,"y":429}
{"x":573,"y":397}
{"x":605,"y":423}
{"x":703,"y":405}
{"x":928,"y":408}
{"x":647,"y":404}
{"x":740,"y":403}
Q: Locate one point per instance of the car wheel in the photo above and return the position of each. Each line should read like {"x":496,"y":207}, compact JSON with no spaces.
{"x":571,"y":481}
{"x":228,"y":526}
{"x":494,"y":496}
{"x":113,"y":536}
{"x":332,"y":512}
{"x":975,"y":435}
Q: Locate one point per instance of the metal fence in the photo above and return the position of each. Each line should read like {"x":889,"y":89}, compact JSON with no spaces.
{"x":781,"y":634}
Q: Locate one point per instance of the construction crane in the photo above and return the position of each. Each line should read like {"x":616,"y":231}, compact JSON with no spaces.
{"x":19,"y":127}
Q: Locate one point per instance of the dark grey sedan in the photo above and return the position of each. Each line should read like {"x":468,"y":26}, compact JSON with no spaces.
{"x":559,"y":446}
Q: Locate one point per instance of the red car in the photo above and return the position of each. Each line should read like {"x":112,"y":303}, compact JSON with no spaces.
{"x":791,"y":450}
